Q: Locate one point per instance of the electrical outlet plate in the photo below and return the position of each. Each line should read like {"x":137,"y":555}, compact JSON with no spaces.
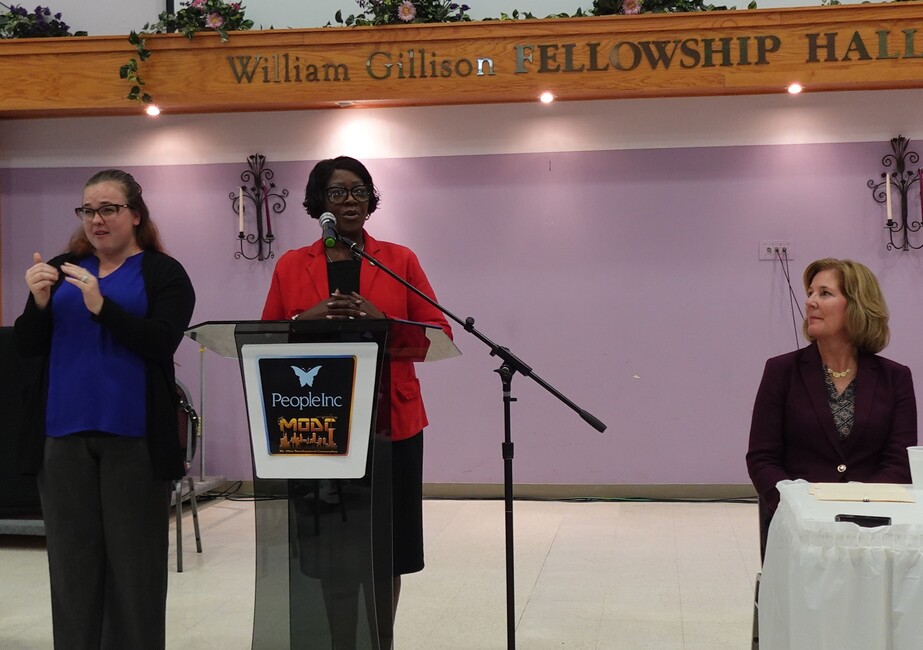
{"x":772,"y":249}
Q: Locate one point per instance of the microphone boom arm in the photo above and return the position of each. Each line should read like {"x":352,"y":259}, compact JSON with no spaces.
{"x":510,"y":360}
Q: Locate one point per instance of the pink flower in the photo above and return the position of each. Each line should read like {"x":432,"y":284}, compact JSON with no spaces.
{"x":215,"y":21}
{"x":197,"y":3}
{"x":406,"y":11}
{"x":631,"y":6}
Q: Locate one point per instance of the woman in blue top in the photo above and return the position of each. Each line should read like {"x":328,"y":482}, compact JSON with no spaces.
{"x":107,"y":316}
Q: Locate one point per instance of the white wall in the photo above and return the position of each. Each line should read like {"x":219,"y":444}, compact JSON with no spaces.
{"x":410,"y":132}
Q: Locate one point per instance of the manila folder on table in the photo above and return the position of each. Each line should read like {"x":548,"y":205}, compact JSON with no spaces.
{"x":866,"y":492}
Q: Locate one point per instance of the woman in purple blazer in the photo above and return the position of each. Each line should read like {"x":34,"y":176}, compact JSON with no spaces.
{"x":834,"y":411}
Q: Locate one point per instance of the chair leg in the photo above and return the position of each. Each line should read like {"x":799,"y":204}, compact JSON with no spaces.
{"x":178,"y":495}
{"x":756,"y":614}
{"x":193,"y":501}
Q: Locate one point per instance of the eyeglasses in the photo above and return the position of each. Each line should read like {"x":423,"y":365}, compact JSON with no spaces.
{"x":337,"y":195}
{"x":105,"y":211}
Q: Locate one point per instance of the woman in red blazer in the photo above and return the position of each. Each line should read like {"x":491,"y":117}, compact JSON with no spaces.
{"x":316,"y":282}
{"x":835,"y":410}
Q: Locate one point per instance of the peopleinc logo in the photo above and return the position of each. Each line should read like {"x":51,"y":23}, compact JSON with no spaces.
{"x":306,"y":377}
{"x":310,"y":400}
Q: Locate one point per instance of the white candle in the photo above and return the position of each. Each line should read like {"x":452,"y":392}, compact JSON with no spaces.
{"x":888,"y":195}
{"x":240,"y":212}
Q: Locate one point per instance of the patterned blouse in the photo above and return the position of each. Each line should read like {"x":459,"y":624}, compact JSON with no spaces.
{"x":842,"y":405}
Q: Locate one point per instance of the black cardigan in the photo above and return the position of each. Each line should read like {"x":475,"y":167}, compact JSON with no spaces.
{"x":155,"y":338}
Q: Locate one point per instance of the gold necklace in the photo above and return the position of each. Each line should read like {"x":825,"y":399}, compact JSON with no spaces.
{"x":838,"y":375}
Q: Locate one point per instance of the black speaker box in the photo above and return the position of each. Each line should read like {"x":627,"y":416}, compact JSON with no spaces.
{"x":18,"y":493}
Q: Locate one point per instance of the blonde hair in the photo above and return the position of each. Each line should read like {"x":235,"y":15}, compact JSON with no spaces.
{"x":866,"y":311}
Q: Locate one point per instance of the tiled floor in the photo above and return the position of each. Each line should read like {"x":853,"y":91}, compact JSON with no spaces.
{"x":606,"y":576}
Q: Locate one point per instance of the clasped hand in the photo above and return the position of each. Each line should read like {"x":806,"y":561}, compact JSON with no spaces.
{"x":340,"y":306}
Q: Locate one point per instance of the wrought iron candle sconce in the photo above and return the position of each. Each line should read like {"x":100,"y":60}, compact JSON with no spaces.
{"x":259,"y":191}
{"x":902,"y":179}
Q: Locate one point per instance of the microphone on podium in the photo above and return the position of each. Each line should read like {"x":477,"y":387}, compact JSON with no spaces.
{"x":328,"y":224}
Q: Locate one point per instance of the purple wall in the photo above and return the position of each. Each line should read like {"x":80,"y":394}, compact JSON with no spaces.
{"x":629,"y":280}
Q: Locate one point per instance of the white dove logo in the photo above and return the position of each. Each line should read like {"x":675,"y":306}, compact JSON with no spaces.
{"x":306,"y":377}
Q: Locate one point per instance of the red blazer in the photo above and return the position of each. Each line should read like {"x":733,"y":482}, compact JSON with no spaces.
{"x":793,"y":434}
{"x":300,"y":282}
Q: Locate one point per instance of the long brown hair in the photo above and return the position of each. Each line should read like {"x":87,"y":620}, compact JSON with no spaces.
{"x":146,"y":235}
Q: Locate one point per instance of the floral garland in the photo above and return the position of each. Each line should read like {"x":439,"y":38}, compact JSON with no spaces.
{"x":202,"y":16}
{"x":195,"y":16}
{"x":41,"y":23}
{"x":397,"y":12}
{"x":630,"y":7}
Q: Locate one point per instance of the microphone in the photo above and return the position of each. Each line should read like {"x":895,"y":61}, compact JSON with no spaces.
{"x":328,"y":223}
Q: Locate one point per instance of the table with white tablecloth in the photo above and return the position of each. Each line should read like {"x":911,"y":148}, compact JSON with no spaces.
{"x":838,"y":586}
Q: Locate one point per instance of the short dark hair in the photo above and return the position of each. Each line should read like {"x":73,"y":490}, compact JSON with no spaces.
{"x":146,"y":235}
{"x":315,"y":194}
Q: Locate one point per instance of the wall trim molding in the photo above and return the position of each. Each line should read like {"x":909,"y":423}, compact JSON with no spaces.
{"x":540,"y":491}
{"x":590,"y":492}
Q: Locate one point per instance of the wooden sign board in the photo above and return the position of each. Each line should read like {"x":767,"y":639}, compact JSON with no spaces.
{"x":650,"y":55}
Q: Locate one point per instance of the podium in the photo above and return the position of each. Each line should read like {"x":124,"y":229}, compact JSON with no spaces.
{"x":317,"y":396}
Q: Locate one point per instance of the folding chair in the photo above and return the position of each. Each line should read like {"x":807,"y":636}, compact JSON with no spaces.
{"x":188,"y":430}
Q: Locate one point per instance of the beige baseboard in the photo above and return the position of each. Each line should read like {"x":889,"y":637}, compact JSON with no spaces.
{"x":549,"y":491}
{"x":561,"y":491}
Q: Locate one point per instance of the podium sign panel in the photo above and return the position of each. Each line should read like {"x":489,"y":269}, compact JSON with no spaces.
{"x":310,"y":408}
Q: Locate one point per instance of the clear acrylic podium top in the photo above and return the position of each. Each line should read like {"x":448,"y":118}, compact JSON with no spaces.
{"x":408,"y":340}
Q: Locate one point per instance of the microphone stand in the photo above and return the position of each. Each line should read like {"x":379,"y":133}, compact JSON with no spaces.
{"x":511,"y":364}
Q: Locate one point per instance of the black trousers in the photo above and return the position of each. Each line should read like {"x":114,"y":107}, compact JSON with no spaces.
{"x":107,"y":526}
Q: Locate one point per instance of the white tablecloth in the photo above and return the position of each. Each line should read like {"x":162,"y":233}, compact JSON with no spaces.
{"x":837,"y":586}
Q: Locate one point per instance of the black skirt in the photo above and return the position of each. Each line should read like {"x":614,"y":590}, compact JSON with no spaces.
{"x":407,"y":504}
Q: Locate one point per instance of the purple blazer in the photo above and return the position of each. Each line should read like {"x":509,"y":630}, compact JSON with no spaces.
{"x":793,"y":435}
